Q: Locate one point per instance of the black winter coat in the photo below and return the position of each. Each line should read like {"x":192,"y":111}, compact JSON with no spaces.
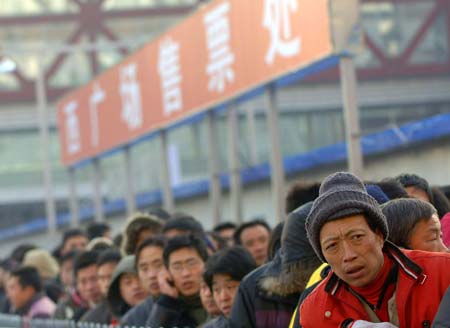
{"x":255,"y":306}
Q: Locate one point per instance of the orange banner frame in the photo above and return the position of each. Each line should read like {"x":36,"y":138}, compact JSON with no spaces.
{"x":223,"y":50}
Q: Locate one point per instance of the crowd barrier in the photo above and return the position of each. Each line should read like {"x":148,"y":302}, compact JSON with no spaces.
{"x":15,"y":321}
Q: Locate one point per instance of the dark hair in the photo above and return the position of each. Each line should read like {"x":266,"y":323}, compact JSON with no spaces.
{"x":223,"y":226}
{"x":301,"y":192}
{"x":402,"y":216}
{"x":234,"y":261}
{"x":155,"y":241}
{"x":18,"y":253}
{"x":213,"y":236}
{"x":392,"y":188}
{"x":96,"y":229}
{"x":108,"y":256}
{"x":117,"y":240}
{"x":183,"y":222}
{"x":28,"y":276}
{"x":440,"y":201}
{"x":84,"y":260}
{"x":189,"y":241}
{"x":160,"y":213}
{"x":249,"y":224}
{"x":275,"y":241}
{"x":74,"y":232}
{"x":69,"y":256}
{"x":413,"y":180}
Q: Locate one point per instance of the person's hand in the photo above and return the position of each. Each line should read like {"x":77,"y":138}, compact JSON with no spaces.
{"x":367,"y":324}
{"x":166,"y":285}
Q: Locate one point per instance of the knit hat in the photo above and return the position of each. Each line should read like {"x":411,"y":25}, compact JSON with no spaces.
{"x":342,"y":194}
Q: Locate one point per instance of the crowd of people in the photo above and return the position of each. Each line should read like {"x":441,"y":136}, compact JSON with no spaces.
{"x":349,"y":254}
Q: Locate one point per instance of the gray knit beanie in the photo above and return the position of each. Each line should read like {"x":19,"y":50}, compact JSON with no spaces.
{"x":342,"y":194}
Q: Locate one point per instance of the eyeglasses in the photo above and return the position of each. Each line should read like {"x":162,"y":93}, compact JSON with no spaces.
{"x":188,"y":264}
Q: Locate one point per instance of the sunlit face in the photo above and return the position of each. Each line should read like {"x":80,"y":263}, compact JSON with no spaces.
{"x":418,"y":193}
{"x":208,"y":301}
{"x":18,"y":295}
{"x":131,"y":289}
{"x":224,"y":290}
{"x":352,"y":249}
{"x":87,"y":285}
{"x":427,"y":236}
{"x":150,"y":263}
{"x":104,"y":274}
{"x":186,"y":267}
{"x":256,"y":240}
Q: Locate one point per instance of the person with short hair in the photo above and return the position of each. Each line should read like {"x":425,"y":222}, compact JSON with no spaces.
{"x":98,"y":229}
{"x":25,"y":293}
{"x":414,"y":224}
{"x":254,"y":236}
{"x":372,"y":283}
{"x":223,"y":274}
{"x":226,"y":230}
{"x":179,"y":303}
{"x":106,"y":264}
{"x":87,"y":291}
{"x":73,"y":239}
{"x":149,"y":262}
{"x":182,"y":224}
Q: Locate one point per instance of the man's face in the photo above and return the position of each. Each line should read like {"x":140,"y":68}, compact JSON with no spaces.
{"x":417,"y":193}
{"x":150,"y":263}
{"x":224,"y":290}
{"x":208,"y":301}
{"x":75,"y":243}
{"x":256,"y":240}
{"x":66,"y":273}
{"x":427,"y":236}
{"x":104,"y":274}
{"x":131,"y":289}
{"x":87,"y":285}
{"x":186,"y":268}
{"x":227,"y":234}
{"x":18,"y":295}
{"x":352,"y":249}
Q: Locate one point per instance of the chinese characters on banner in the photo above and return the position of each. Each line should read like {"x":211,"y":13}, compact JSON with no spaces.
{"x":224,"y":49}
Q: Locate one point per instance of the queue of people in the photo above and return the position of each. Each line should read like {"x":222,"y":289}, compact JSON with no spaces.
{"x":349,"y":254}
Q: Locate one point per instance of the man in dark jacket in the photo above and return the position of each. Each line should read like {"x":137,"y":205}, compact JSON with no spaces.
{"x":179,"y":304}
{"x":106,"y":265}
{"x":149,"y":262}
{"x":267,"y":296}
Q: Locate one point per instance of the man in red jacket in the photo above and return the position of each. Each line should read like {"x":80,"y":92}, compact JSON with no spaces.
{"x":372,"y":283}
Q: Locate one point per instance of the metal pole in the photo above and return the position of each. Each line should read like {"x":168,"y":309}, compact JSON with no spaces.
{"x":235,"y":170}
{"x":214,"y":169}
{"x":168,"y":200}
{"x":276,"y":159}
{"x":251,"y":124}
{"x":351,"y":117}
{"x":131,"y":205}
{"x":42,"y":111}
{"x":98,"y":203}
{"x":73,"y":202}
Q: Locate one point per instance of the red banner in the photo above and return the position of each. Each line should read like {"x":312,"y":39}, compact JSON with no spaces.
{"x":224,"y":49}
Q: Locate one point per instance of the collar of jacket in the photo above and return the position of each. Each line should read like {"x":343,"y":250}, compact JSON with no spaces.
{"x":24,"y":309}
{"x":404,"y":262}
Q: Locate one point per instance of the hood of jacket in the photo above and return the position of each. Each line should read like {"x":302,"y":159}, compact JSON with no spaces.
{"x":298,"y":259}
{"x":114,"y":299}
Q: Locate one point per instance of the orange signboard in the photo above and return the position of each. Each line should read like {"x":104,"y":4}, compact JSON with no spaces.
{"x":223,"y":50}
